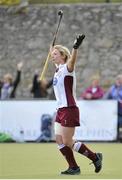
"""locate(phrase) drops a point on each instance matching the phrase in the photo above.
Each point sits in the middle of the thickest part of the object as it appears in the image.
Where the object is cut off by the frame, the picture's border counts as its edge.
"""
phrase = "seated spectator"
(94, 91)
(115, 92)
(39, 88)
(8, 86)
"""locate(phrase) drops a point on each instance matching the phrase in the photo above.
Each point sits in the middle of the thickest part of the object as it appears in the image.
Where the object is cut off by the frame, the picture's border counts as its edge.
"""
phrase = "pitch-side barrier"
(21, 119)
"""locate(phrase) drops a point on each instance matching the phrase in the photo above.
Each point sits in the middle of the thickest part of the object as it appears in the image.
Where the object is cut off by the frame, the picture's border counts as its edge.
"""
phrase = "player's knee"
(59, 139)
(66, 142)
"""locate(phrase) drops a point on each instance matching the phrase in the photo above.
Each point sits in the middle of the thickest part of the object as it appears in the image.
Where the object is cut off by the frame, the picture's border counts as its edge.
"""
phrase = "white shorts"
(57, 128)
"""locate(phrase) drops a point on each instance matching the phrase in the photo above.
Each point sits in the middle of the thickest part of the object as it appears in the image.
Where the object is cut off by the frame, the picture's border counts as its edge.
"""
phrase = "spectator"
(115, 92)
(94, 91)
(39, 88)
(8, 86)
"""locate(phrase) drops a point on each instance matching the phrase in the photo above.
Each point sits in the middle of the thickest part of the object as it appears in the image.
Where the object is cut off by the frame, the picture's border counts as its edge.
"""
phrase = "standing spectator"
(39, 88)
(95, 91)
(115, 92)
(8, 86)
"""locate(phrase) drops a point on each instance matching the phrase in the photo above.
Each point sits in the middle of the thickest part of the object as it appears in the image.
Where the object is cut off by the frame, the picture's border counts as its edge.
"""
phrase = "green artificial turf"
(44, 161)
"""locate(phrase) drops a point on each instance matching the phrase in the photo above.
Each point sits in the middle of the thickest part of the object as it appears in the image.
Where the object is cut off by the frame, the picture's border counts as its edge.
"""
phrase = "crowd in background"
(39, 89)
(44, 89)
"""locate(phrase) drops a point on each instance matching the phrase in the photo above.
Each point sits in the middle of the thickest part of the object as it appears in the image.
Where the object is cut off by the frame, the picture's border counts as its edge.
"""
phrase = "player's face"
(56, 56)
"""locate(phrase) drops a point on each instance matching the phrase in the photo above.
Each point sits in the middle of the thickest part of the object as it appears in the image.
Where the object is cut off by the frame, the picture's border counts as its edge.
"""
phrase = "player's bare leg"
(66, 150)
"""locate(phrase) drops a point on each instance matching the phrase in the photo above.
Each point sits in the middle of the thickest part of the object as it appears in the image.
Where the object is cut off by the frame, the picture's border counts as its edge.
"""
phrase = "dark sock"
(68, 154)
(83, 149)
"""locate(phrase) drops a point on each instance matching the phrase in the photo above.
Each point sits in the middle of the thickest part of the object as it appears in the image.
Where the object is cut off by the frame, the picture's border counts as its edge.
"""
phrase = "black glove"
(78, 41)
